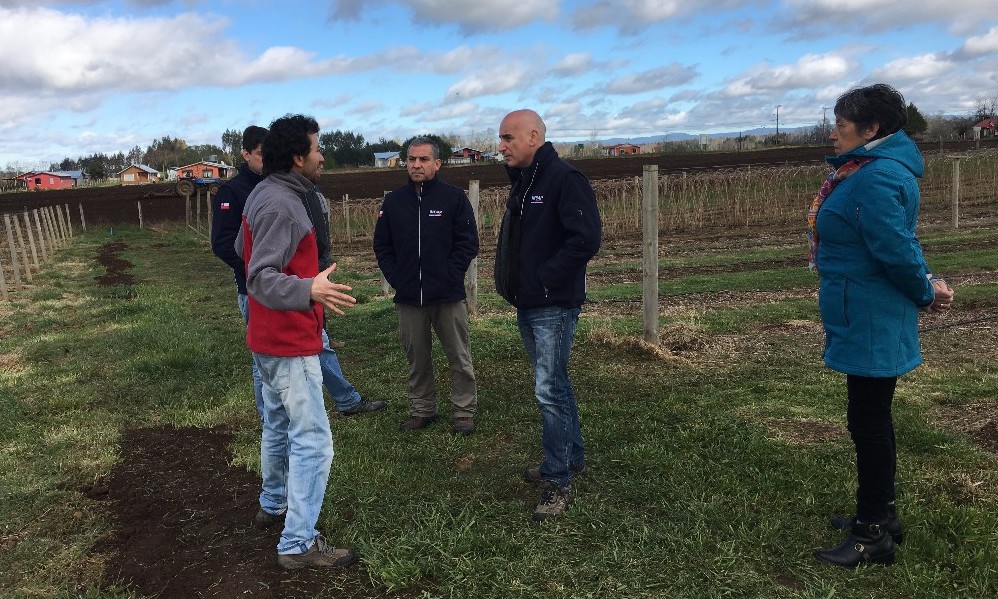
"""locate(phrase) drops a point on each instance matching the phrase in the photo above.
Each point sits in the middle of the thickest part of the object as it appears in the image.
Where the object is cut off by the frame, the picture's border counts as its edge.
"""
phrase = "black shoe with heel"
(892, 525)
(867, 544)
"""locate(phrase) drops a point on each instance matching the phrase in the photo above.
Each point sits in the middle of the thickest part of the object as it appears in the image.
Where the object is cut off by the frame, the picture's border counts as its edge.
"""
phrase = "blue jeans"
(243, 301)
(296, 448)
(547, 335)
(340, 389)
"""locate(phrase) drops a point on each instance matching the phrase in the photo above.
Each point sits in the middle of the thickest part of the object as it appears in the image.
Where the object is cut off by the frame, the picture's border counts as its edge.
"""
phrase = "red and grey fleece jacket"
(277, 243)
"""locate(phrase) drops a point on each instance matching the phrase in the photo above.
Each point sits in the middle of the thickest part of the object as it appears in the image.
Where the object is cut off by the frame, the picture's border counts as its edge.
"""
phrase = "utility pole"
(778, 123)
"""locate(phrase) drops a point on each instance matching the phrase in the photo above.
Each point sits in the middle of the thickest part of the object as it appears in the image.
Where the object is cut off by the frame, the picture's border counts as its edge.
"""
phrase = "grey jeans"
(450, 323)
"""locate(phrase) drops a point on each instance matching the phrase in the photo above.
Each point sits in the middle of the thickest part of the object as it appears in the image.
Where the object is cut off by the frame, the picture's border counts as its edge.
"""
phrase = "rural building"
(51, 179)
(386, 159)
(203, 170)
(138, 174)
(465, 156)
(985, 128)
(621, 150)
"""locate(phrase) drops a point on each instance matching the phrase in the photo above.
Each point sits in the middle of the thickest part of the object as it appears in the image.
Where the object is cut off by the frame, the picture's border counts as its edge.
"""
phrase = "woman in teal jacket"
(874, 281)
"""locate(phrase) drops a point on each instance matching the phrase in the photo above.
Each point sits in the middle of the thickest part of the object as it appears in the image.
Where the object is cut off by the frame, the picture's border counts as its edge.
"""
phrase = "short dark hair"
(423, 141)
(879, 103)
(252, 137)
(288, 137)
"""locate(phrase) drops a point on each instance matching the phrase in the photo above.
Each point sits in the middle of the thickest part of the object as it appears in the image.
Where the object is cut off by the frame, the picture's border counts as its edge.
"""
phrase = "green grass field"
(715, 458)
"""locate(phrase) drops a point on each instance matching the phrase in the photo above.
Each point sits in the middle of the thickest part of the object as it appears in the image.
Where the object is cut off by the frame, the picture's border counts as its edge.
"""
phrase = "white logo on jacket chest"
(536, 199)
(435, 213)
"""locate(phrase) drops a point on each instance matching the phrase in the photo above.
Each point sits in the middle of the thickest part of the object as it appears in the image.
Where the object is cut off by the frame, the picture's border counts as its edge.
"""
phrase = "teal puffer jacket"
(873, 272)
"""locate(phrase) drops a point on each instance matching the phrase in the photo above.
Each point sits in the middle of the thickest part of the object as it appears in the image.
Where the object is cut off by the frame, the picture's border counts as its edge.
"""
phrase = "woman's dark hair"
(252, 137)
(288, 138)
(879, 103)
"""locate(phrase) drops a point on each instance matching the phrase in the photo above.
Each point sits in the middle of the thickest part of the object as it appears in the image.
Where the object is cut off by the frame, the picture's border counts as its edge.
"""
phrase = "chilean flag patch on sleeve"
(225, 206)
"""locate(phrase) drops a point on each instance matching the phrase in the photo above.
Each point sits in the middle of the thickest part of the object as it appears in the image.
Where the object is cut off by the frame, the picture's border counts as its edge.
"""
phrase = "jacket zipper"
(419, 241)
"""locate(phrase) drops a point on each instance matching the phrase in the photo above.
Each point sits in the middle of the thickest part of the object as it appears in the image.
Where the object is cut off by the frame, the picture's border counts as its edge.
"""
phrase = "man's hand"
(331, 294)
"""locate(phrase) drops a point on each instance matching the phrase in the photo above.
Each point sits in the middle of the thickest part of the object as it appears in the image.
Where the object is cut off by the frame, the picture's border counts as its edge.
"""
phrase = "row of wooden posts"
(33, 238)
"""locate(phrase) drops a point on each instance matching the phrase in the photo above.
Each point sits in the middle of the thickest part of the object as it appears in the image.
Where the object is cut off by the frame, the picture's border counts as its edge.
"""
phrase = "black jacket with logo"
(425, 242)
(550, 230)
(227, 219)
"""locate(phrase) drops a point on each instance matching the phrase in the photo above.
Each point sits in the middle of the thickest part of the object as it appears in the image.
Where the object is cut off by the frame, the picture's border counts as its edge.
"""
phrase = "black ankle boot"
(868, 544)
(892, 525)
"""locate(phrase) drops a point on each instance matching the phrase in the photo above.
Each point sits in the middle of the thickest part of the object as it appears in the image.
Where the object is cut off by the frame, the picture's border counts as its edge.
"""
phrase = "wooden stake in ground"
(24, 249)
(41, 235)
(31, 241)
(474, 196)
(13, 252)
(649, 234)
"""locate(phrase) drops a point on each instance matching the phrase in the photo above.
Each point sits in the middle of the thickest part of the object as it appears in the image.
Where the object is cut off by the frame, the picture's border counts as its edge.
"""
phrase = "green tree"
(165, 152)
(916, 122)
(232, 144)
(342, 148)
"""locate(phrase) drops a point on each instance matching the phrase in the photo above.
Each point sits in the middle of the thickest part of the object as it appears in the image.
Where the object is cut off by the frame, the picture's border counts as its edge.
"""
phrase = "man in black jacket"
(425, 239)
(549, 232)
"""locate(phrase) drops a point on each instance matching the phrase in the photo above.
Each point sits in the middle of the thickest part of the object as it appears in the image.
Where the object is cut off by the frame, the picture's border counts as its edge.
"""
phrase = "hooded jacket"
(425, 241)
(549, 232)
(873, 272)
(277, 242)
(227, 217)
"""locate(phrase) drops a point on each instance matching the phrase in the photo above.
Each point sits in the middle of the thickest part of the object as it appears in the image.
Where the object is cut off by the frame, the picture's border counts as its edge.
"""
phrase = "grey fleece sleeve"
(275, 240)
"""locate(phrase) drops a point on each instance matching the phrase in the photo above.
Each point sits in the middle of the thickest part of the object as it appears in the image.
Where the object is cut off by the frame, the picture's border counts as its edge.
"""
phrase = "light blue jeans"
(296, 448)
(547, 335)
(343, 393)
(243, 301)
(340, 389)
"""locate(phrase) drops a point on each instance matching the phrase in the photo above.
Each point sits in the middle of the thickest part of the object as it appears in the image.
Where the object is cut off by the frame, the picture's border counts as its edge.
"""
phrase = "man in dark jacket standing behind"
(425, 239)
(549, 232)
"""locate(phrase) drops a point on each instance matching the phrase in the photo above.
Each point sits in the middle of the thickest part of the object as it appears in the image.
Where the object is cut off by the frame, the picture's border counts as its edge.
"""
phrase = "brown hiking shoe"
(417, 422)
(320, 555)
(554, 501)
(533, 475)
(464, 426)
(364, 406)
(266, 519)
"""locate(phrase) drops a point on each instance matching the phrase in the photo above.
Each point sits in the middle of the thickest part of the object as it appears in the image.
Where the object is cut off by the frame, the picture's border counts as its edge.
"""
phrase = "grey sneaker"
(266, 519)
(364, 406)
(533, 475)
(554, 501)
(320, 555)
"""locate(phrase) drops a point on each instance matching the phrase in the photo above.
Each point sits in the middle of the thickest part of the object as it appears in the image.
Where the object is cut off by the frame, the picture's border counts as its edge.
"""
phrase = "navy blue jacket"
(425, 242)
(227, 219)
(550, 230)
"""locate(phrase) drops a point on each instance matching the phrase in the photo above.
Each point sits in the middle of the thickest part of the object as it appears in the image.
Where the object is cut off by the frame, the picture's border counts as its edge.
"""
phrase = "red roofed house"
(985, 128)
(51, 179)
(204, 169)
(622, 150)
(465, 155)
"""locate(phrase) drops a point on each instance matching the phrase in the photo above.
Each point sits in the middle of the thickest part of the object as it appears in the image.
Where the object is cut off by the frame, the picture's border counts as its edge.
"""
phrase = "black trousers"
(871, 426)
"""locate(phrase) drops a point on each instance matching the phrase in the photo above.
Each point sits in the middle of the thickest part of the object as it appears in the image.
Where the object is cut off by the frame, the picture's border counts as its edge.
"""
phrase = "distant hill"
(650, 139)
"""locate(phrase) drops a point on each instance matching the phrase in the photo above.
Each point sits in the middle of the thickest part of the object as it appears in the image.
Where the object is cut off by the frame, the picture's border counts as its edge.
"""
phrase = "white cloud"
(630, 16)
(810, 70)
(912, 69)
(982, 45)
(469, 17)
(823, 17)
(488, 82)
(573, 65)
(668, 76)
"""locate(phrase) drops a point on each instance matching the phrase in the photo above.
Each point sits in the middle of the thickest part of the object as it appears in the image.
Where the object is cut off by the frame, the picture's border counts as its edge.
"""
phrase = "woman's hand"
(944, 295)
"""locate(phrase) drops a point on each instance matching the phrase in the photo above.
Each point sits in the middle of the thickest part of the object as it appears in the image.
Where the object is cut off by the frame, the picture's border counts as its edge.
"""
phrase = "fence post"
(139, 204)
(474, 196)
(346, 217)
(207, 206)
(24, 248)
(83, 221)
(41, 235)
(50, 229)
(63, 228)
(955, 197)
(69, 221)
(13, 252)
(197, 211)
(649, 234)
(3, 284)
(31, 241)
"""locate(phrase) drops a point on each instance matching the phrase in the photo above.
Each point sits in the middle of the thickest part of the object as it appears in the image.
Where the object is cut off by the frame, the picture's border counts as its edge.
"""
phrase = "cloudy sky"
(85, 76)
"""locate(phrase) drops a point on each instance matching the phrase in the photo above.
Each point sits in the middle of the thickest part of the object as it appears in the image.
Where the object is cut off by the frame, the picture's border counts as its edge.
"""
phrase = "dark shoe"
(867, 544)
(533, 475)
(464, 426)
(266, 520)
(320, 555)
(553, 502)
(892, 525)
(417, 422)
(364, 406)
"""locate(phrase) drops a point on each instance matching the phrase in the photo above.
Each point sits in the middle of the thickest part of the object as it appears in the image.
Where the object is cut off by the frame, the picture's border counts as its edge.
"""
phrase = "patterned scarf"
(831, 181)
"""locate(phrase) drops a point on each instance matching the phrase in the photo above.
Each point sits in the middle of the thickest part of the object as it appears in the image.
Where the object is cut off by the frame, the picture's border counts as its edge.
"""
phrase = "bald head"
(521, 134)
